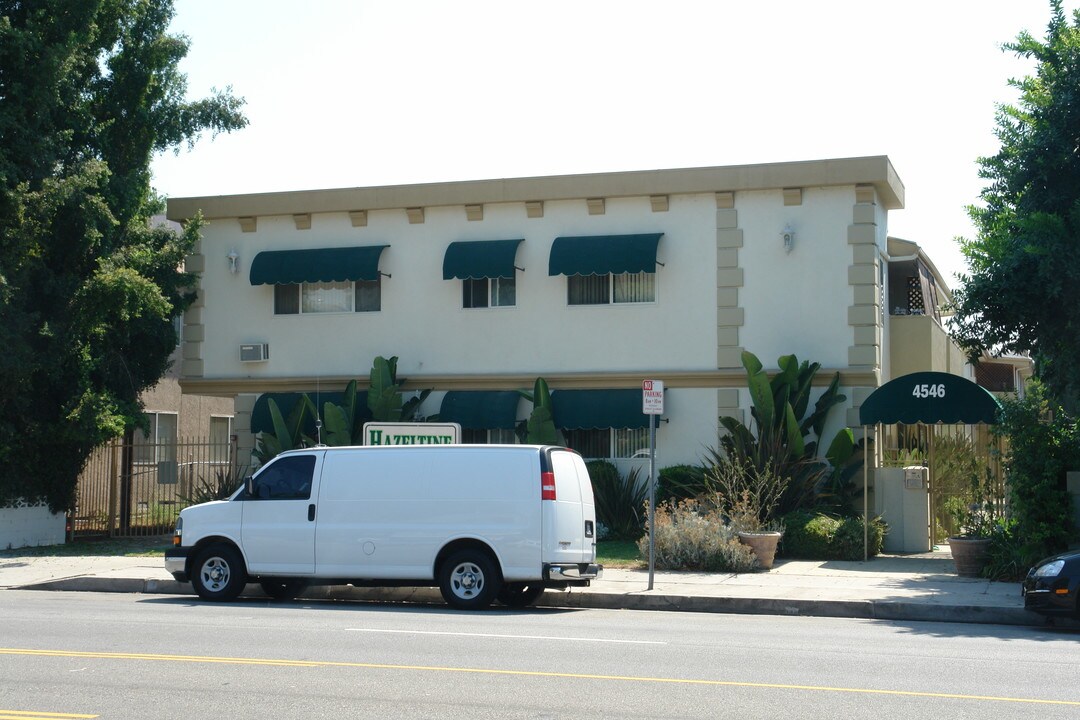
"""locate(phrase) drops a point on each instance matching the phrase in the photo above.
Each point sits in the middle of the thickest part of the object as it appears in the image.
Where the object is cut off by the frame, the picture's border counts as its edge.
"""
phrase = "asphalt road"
(146, 656)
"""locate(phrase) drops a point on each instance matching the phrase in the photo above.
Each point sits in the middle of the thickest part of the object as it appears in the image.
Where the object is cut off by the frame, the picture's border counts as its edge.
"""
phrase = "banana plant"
(341, 423)
(540, 428)
(784, 434)
(288, 432)
(384, 394)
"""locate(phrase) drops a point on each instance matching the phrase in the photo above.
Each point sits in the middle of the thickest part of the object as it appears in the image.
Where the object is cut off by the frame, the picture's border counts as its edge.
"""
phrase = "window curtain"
(635, 287)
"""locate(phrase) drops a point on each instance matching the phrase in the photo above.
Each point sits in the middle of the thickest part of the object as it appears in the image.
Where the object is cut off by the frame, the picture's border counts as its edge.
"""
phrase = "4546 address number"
(929, 391)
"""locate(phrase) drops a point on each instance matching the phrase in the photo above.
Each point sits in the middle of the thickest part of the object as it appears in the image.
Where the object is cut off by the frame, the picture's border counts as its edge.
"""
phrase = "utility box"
(902, 499)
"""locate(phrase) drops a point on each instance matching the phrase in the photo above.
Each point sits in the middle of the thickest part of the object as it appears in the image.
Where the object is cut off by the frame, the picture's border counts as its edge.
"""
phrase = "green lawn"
(618, 553)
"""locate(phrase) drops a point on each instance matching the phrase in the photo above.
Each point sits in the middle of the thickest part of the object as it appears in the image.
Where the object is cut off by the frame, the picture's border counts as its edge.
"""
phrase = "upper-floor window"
(486, 269)
(488, 292)
(328, 297)
(611, 288)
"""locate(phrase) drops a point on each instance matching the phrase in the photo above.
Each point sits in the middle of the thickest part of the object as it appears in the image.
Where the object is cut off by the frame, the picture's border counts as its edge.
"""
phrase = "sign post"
(652, 404)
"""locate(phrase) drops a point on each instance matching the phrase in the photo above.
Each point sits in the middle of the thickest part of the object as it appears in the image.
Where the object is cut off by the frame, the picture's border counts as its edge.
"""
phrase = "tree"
(89, 91)
(1022, 290)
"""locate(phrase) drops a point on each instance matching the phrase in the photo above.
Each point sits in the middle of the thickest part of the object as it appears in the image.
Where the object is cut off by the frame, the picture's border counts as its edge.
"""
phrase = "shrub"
(619, 501)
(691, 536)
(747, 494)
(817, 536)
(1044, 443)
(680, 482)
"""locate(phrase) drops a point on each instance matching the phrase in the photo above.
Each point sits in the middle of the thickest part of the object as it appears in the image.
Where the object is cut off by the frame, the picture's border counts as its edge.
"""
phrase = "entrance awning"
(602, 254)
(481, 410)
(929, 397)
(589, 409)
(289, 267)
(480, 259)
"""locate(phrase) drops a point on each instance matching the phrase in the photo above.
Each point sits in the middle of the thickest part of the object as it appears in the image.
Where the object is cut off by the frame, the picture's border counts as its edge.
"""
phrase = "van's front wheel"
(468, 580)
(219, 573)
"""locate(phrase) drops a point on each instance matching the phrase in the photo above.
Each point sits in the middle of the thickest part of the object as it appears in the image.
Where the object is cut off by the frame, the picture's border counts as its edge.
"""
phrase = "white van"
(480, 521)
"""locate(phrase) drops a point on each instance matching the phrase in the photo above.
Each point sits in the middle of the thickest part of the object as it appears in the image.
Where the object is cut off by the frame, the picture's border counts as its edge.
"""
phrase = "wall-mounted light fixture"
(789, 238)
(234, 261)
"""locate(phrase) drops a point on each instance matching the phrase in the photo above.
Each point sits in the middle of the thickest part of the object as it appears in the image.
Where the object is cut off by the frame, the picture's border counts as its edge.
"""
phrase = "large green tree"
(89, 91)
(1022, 290)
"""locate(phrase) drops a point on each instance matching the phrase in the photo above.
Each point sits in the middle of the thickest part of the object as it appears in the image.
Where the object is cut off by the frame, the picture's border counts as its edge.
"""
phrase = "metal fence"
(137, 488)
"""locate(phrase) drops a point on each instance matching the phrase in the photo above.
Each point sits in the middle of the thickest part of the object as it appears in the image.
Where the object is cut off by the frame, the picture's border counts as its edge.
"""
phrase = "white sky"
(356, 93)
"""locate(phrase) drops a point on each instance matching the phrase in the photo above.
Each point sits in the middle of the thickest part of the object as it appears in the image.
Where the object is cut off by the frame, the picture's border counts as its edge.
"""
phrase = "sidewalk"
(889, 587)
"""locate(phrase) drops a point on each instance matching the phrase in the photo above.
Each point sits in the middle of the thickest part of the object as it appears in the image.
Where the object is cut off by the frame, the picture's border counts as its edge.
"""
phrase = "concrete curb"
(860, 609)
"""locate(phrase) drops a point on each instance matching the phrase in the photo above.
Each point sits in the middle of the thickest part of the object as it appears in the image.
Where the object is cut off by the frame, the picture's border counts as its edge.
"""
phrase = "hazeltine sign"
(411, 433)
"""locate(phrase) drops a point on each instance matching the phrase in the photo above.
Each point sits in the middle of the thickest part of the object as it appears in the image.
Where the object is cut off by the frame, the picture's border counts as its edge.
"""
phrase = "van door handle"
(311, 512)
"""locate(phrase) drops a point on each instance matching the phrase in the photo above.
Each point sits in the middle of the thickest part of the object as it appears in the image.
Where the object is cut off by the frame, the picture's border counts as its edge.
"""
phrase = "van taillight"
(547, 486)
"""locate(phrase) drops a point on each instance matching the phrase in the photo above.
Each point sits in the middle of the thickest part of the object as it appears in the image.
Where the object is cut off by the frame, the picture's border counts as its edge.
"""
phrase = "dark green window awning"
(929, 397)
(481, 410)
(286, 401)
(289, 267)
(480, 259)
(588, 409)
(602, 254)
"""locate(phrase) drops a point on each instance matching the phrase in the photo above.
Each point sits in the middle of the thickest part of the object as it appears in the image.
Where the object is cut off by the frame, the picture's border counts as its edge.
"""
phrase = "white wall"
(422, 321)
(796, 302)
(30, 526)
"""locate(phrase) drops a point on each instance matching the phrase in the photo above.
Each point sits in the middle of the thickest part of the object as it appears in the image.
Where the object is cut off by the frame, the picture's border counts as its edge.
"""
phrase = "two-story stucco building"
(594, 282)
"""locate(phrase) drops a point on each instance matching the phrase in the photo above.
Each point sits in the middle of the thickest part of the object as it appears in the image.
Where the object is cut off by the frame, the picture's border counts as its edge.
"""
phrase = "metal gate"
(137, 488)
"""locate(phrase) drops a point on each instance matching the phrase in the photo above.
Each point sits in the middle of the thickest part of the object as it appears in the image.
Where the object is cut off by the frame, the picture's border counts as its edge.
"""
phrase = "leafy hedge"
(818, 536)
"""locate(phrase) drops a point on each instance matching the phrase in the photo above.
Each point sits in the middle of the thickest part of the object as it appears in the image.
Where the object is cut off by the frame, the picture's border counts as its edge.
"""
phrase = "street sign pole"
(652, 498)
(652, 404)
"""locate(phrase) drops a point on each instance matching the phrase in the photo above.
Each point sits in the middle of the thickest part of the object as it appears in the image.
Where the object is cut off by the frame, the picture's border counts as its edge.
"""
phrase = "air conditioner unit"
(254, 352)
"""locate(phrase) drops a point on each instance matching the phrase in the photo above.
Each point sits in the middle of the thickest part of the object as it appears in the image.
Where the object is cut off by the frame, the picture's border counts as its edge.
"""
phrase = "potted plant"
(747, 496)
(974, 516)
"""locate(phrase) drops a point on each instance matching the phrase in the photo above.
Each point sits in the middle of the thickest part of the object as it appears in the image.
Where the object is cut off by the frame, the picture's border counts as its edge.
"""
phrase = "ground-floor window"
(159, 444)
(607, 443)
(472, 436)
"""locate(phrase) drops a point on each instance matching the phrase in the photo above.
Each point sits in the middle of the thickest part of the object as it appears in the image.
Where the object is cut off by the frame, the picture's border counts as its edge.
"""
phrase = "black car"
(1051, 587)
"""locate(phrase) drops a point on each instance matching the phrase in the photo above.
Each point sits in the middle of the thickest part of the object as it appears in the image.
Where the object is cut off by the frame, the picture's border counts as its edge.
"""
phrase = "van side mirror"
(249, 486)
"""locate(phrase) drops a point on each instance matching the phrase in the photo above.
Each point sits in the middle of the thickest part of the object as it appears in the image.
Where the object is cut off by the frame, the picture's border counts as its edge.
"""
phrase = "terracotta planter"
(763, 544)
(969, 555)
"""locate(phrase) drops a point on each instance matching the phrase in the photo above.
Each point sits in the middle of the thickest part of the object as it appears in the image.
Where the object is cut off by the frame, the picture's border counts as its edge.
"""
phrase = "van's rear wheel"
(219, 573)
(469, 580)
(519, 595)
(284, 588)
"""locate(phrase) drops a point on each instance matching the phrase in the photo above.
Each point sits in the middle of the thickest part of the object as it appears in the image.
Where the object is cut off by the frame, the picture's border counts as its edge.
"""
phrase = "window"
(611, 288)
(619, 443)
(488, 292)
(471, 436)
(328, 297)
(220, 440)
(286, 479)
(160, 444)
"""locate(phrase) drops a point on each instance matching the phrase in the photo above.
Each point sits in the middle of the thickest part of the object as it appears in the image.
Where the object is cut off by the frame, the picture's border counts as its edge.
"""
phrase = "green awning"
(929, 397)
(288, 267)
(481, 410)
(602, 254)
(286, 401)
(587, 409)
(480, 259)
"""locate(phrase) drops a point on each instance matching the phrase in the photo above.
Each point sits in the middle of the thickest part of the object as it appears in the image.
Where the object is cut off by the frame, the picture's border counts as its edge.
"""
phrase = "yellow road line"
(30, 715)
(525, 673)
